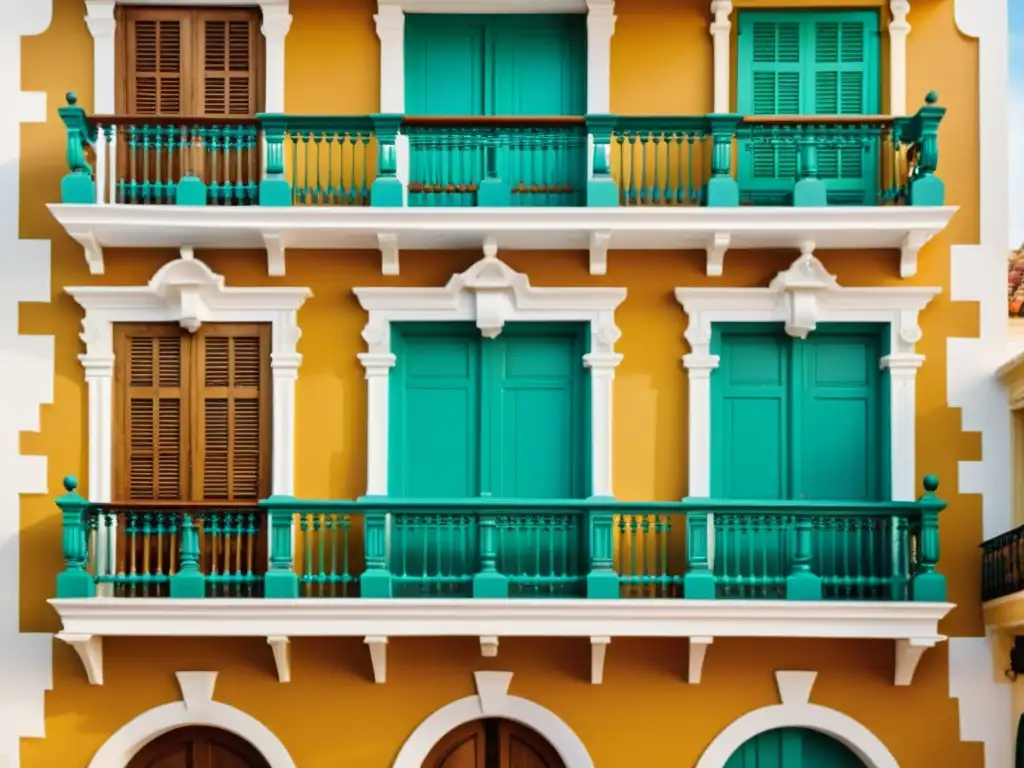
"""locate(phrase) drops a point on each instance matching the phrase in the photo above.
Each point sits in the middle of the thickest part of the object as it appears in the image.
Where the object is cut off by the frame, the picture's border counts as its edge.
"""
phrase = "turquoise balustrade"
(160, 550)
(496, 161)
(813, 550)
(521, 548)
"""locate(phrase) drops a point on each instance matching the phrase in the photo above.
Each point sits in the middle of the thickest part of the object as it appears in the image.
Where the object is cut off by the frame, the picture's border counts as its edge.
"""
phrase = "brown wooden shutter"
(232, 413)
(227, 80)
(159, 76)
(151, 383)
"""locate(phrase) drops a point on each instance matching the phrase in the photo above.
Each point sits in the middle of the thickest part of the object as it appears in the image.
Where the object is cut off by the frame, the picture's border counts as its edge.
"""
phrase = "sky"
(1016, 122)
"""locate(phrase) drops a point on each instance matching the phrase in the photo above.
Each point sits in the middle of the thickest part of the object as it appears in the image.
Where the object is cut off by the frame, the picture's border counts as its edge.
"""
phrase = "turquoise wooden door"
(797, 419)
(506, 417)
(809, 63)
(793, 748)
(496, 65)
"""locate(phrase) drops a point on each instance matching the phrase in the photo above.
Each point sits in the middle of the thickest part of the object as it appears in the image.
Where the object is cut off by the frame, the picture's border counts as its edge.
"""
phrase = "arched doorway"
(793, 748)
(198, 747)
(493, 743)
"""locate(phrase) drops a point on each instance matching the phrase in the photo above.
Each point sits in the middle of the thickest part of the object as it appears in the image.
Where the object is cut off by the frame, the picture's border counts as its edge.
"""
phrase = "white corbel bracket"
(387, 242)
(717, 245)
(90, 650)
(281, 646)
(912, 244)
(91, 249)
(488, 646)
(378, 657)
(598, 651)
(909, 651)
(274, 244)
(698, 650)
(599, 242)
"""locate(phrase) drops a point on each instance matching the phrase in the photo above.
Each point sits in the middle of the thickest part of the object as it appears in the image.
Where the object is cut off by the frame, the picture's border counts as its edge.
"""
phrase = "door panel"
(522, 747)
(493, 744)
(464, 747)
(445, 65)
(197, 747)
(793, 748)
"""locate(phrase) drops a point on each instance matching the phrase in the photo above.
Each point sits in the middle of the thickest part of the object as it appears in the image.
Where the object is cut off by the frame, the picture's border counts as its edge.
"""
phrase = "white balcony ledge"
(595, 230)
(912, 626)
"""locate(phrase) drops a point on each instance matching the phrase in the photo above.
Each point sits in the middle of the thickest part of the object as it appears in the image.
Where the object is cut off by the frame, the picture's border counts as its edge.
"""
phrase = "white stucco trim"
(196, 707)
(978, 274)
(721, 31)
(801, 297)
(188, 292)
(492, 700)
(99, 18)
(796, 711)
(490, 293)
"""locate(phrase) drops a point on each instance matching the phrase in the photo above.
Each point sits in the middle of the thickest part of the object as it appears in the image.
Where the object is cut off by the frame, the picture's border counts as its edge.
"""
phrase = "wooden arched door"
(493, 744)
(198, 747)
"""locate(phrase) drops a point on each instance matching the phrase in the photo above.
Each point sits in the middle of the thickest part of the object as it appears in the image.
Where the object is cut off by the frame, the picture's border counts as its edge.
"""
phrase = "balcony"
(490, 568)
(594, 182)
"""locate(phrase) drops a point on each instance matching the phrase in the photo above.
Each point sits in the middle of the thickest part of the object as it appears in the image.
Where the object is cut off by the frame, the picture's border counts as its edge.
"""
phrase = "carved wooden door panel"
(493, 744)
(198, 747)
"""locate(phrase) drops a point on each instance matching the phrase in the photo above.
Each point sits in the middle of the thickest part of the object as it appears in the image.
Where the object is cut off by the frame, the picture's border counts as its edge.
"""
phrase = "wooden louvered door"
(195, 78)
(192, 432)
(231, 416)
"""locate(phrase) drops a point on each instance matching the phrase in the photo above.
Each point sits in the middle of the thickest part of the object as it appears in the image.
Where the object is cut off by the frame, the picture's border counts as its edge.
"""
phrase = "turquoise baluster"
(927, 585)
(191, 190)
(280, 580)
(722, 190)
(78, 186)
(802, 583)
(274, 189)
(699, 581)
(602, 580)
(376, 578)
(74, 581)
(188, 582)
(809, 191)
(488, 582)
(925, 187)
(386, 190)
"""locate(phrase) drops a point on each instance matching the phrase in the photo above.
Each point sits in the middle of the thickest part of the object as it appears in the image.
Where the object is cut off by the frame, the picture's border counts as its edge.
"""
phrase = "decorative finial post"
(927, 585)
(75, 581)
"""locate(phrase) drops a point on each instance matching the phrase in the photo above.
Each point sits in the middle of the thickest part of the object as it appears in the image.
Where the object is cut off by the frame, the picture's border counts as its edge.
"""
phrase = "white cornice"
(493, 6)
(597, 230)
(913, 626)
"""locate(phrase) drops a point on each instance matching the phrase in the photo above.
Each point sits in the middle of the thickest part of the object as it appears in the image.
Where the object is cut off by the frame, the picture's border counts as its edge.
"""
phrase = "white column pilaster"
(284, 374)
(699, 366)
(277, 21)
(378, 367)
(99, 18)
(899, 28)
(390, 21)
(600, 28)
(721, 29)
(903, 367)
(602, 378)
(99, 378)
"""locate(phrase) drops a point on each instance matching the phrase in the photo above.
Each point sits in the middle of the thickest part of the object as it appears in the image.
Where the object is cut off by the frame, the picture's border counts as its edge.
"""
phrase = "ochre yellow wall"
(331, 715)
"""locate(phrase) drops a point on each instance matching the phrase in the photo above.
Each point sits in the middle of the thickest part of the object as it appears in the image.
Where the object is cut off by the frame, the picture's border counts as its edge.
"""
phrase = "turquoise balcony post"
(928, 585)
(376, 578)
(387, 189)
(275, 191)
(722, 191)
(191, 190)
(280, 580)
(488, 582)
(493, 192)
(809, 191)
(77, 187)
(802, 583)
(925, 187)
(74, 581)
(189, 581)
(602, 580)
(699, 581)
(602, 191)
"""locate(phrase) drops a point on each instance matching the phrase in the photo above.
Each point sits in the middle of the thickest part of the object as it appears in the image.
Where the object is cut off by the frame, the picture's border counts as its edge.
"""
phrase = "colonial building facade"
(525, 383)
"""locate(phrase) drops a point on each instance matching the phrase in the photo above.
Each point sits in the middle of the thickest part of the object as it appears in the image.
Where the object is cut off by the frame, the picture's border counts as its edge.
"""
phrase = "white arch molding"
(491, 700)
(196, 707)
(796, 711)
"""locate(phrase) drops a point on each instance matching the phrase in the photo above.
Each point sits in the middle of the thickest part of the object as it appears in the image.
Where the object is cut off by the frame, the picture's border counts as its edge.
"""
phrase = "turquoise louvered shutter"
(808, 63)
(844, 81)
(771, 75)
